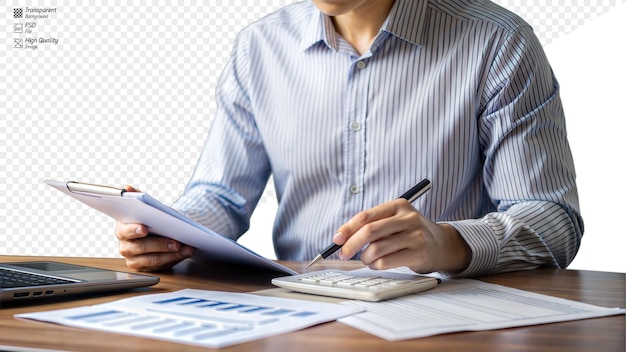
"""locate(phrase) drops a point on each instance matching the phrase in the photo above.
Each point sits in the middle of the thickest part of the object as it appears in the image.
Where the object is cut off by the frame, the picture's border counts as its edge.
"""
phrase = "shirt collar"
(406, 20)
(319, 29)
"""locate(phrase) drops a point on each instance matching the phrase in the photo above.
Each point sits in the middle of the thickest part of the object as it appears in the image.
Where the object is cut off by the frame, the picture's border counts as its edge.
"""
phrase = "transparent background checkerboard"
(126, 96)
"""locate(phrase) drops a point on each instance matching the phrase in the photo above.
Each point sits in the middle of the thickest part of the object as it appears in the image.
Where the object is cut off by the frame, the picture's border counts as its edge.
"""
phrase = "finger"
(365, 217)
(383, 247)
(416, 261)
(392, 250)
(152, 244)
(370, 233)
(367, 226)
(129, 188)
(153, 253)
(154, 261)
(125, 231)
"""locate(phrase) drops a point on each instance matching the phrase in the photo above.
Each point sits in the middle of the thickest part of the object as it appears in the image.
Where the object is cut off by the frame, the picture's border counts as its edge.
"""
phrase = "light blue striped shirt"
(459, 92)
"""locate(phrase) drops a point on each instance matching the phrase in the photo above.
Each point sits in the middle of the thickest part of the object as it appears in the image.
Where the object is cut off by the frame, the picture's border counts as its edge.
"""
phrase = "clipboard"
(141, 208)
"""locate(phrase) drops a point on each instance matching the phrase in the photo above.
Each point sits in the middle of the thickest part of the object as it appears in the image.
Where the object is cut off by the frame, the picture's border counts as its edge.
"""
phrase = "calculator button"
(347, 283)
(309, 279)
(326, 282)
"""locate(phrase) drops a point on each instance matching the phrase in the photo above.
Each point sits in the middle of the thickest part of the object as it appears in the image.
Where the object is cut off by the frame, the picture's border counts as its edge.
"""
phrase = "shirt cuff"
(483, 244)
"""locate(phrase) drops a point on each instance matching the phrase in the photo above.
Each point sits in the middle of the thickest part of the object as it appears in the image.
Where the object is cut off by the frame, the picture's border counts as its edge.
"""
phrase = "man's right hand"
(149, 253)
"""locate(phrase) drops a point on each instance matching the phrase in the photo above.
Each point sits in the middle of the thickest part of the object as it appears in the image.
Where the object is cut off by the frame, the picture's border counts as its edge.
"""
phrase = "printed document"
(466, 305)
(197, 317)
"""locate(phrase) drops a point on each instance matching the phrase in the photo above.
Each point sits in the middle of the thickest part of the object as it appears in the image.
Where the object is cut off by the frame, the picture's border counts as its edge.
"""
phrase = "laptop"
(40, 280)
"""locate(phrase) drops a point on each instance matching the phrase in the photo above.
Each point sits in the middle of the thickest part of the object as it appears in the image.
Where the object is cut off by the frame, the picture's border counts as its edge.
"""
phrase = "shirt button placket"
(356, 126)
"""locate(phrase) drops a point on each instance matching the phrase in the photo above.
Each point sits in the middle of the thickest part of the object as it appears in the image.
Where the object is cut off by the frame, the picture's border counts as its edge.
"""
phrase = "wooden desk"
(600, 288)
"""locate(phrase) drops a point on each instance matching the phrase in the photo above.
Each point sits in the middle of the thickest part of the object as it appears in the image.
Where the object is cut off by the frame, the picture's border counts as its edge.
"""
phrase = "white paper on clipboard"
(141, 208)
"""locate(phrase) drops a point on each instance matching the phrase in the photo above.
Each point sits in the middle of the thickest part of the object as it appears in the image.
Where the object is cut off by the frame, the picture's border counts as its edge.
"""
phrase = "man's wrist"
(455, 254)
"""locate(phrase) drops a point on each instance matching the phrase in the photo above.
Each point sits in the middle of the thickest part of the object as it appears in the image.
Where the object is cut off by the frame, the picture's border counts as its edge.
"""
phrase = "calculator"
(355, 285)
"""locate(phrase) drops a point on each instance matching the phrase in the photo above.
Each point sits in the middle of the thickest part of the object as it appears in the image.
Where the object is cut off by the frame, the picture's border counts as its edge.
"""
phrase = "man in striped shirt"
(346, 104)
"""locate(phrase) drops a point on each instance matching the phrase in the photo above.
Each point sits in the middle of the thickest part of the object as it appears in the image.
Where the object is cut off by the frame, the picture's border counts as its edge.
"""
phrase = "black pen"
(409, 195)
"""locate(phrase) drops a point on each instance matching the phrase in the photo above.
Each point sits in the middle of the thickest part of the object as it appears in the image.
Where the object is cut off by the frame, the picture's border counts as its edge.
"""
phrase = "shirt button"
(361, 64)
(354, 189)
(355, 126)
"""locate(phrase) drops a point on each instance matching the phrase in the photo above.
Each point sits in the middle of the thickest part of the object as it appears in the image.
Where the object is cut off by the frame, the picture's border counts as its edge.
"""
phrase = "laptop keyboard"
(11, 279)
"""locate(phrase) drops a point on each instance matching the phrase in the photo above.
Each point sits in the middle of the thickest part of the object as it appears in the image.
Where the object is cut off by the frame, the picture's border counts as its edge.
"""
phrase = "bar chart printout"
(205, 318)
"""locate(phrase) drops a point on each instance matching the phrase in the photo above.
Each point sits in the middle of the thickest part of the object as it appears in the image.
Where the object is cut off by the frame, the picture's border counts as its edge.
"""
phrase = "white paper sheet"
(205, 318)
(141, 208)
(466, 305)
